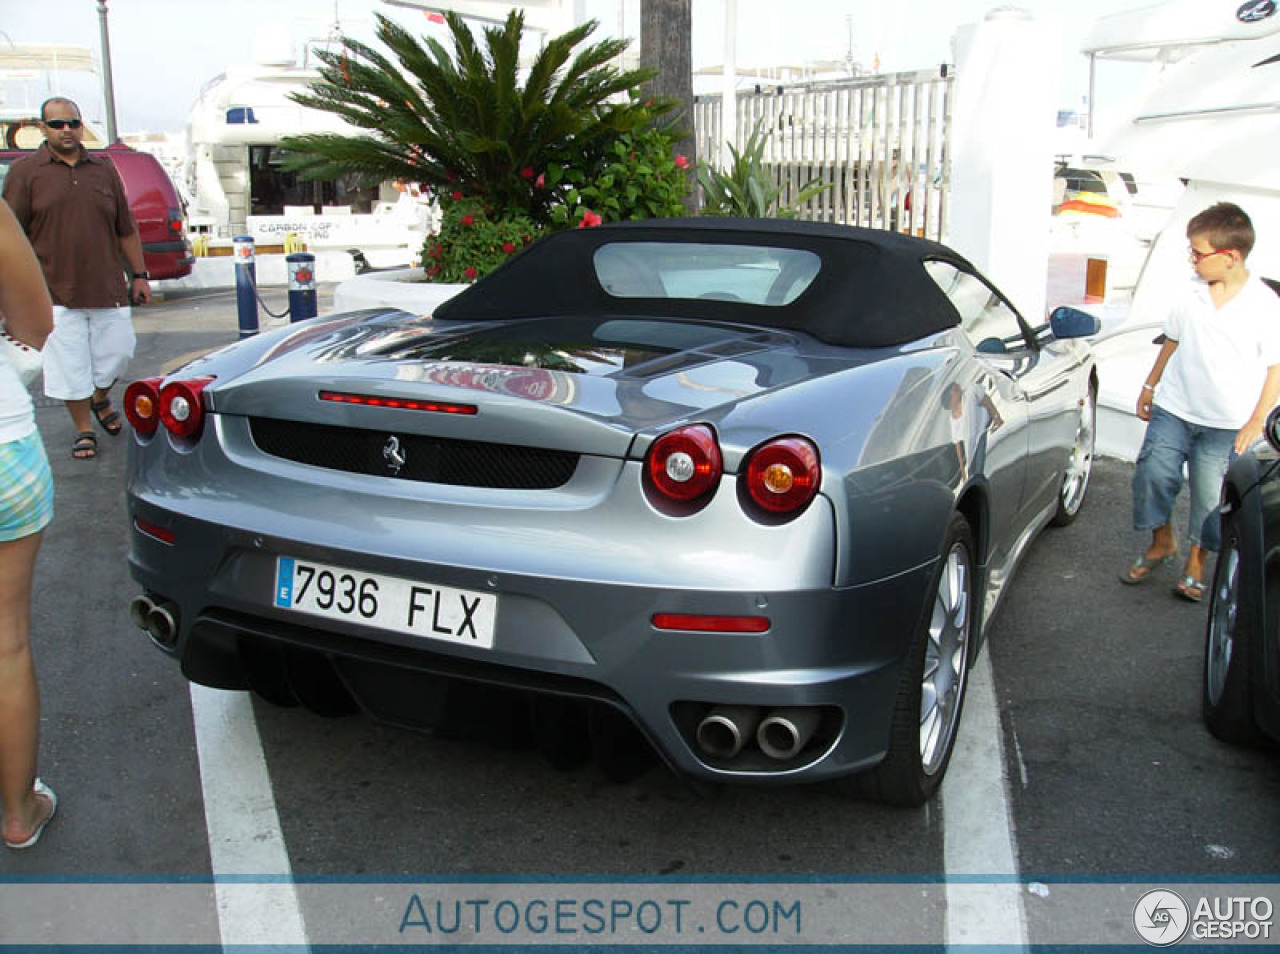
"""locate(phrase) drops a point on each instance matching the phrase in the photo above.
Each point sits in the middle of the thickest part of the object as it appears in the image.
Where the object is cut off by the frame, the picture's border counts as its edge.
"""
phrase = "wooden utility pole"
(666, 30)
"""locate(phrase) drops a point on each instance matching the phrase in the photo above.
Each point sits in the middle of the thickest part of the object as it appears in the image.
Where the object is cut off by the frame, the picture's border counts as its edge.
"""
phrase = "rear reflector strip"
(694, 623)
(404, 404)
(154, 531)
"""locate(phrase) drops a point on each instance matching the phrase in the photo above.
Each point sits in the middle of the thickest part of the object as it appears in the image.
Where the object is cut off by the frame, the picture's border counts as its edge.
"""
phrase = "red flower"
(436, 250)
(468, 220)
(528, 239)
(470, 272)
(451, 177)
(541, 181)
(589, 220)
(526, 173)
(508, 247)
(682, 162)
(433, 270)
(456, 196)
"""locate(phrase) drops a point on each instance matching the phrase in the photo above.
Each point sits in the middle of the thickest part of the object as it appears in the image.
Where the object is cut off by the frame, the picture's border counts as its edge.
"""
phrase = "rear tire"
(935, 675)
(1226, 692)
(1075, 481)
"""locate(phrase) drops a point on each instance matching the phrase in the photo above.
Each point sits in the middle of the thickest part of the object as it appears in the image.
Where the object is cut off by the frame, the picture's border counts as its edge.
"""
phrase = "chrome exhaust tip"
(140, 608)
(162, 623)
(725, 730)
(783, 733)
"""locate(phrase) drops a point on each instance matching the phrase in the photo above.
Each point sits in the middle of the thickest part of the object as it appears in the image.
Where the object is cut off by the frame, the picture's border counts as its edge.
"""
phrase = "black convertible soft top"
(871, 290)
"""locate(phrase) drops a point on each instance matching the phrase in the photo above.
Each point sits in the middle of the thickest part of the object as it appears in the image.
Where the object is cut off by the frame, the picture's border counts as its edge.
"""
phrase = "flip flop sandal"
(1143, 567)
(109, 422)
(1189, 588)
(85, 446)
(42, 791)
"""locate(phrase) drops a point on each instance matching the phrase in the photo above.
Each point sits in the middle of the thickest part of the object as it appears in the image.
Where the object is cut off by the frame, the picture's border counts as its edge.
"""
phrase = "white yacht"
(236, 184)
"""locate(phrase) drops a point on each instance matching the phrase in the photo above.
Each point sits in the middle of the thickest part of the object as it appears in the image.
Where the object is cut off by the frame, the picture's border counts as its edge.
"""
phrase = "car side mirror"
(1272, 428)
(1068, 322)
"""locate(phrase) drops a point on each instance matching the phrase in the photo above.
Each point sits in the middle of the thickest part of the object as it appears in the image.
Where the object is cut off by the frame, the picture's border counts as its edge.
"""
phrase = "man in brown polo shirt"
(73, 207)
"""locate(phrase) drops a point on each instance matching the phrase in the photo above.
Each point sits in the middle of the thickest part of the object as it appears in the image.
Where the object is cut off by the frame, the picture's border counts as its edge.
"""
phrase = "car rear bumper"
(168, 259)
(834, 652)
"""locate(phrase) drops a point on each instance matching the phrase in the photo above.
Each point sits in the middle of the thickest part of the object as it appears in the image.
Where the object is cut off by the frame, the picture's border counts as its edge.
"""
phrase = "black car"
(1241, 685)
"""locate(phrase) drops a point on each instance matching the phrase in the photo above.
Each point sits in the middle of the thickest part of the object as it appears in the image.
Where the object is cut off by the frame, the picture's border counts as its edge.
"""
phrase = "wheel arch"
(973, 506)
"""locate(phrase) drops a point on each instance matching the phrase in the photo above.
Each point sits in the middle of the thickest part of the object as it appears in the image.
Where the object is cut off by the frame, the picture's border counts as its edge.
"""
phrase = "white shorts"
(89, 348)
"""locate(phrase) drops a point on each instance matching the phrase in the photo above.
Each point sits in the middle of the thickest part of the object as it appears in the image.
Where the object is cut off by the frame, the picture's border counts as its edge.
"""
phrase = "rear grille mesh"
(429, 459)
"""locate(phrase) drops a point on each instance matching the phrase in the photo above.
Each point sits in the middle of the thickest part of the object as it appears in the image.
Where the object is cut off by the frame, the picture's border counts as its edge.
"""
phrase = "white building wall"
(1004, 115)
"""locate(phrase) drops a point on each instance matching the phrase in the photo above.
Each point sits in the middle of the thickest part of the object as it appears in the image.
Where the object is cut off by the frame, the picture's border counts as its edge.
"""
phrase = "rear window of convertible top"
(754, 274)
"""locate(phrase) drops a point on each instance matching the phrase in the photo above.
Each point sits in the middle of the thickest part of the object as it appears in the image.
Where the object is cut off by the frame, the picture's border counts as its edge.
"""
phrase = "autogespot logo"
(1161, 917)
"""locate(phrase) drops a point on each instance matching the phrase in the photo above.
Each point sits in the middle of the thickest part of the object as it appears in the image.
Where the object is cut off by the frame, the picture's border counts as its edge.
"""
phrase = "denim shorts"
(1170, 443)
(26, 488)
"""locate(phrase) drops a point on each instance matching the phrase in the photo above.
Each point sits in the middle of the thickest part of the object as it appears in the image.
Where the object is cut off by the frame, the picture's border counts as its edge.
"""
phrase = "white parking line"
(244, 830)
(977, 826)
(245, 837)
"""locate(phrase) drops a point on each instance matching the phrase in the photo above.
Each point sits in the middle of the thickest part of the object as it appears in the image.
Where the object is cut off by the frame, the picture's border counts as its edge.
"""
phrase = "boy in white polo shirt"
(1216, 378)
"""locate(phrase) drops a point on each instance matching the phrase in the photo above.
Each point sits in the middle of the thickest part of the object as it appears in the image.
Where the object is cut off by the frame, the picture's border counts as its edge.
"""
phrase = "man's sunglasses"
(62, 123)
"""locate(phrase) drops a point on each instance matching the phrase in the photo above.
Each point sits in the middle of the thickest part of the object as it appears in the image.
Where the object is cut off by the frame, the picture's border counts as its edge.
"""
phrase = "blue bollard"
(246, 283)
(302, 285)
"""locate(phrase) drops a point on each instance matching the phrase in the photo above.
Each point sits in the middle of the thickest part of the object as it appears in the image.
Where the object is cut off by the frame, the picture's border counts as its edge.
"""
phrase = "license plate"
(387, 602)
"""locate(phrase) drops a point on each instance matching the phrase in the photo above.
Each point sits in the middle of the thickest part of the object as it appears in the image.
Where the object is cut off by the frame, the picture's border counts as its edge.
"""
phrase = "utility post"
(666, 30)
(108, 87)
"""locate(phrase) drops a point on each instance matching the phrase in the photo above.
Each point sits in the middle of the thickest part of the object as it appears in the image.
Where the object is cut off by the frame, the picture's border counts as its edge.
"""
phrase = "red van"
(155, 204)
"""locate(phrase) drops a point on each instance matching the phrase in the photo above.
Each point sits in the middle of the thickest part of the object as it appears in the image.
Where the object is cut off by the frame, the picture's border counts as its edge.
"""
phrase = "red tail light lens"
(175, 221)
(694, 623)
(686, 463)
(783, 475)
(142, 405)
(181, 409)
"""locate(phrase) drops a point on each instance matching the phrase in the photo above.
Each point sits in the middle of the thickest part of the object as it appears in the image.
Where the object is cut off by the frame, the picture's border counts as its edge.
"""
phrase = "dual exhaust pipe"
(155, 616)
(780, 733)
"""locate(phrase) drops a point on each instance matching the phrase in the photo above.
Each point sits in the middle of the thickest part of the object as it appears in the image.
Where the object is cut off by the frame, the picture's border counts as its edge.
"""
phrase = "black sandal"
(109, 422)
(85, 446)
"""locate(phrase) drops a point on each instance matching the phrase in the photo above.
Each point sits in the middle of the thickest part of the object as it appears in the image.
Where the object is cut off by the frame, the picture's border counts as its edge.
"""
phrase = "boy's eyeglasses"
(62, 123)
(1198, 257)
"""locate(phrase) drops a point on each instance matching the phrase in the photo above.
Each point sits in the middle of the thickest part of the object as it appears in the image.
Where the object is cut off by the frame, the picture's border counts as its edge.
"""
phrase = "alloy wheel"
(1222, 623)
(1080, 467)
(946, 660)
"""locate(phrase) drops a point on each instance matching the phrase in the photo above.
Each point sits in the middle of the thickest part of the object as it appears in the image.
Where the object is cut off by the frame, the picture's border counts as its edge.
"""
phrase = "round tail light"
(685, 464)
(181, 409)
(142, 405)
(783, 475)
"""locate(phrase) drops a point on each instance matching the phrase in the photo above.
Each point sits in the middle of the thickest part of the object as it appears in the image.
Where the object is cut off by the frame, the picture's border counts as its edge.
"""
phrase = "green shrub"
(640, 176)
(473, 241)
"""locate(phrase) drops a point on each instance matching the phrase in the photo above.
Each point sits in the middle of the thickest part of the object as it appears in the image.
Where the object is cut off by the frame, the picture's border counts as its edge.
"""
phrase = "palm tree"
(465, 120)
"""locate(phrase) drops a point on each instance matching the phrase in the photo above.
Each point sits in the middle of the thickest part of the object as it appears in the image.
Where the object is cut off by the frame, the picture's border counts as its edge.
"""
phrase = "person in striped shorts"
(26, 507)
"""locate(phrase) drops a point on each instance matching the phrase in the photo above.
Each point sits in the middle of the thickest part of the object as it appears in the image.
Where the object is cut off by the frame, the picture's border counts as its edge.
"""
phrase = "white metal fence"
(882, 144)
